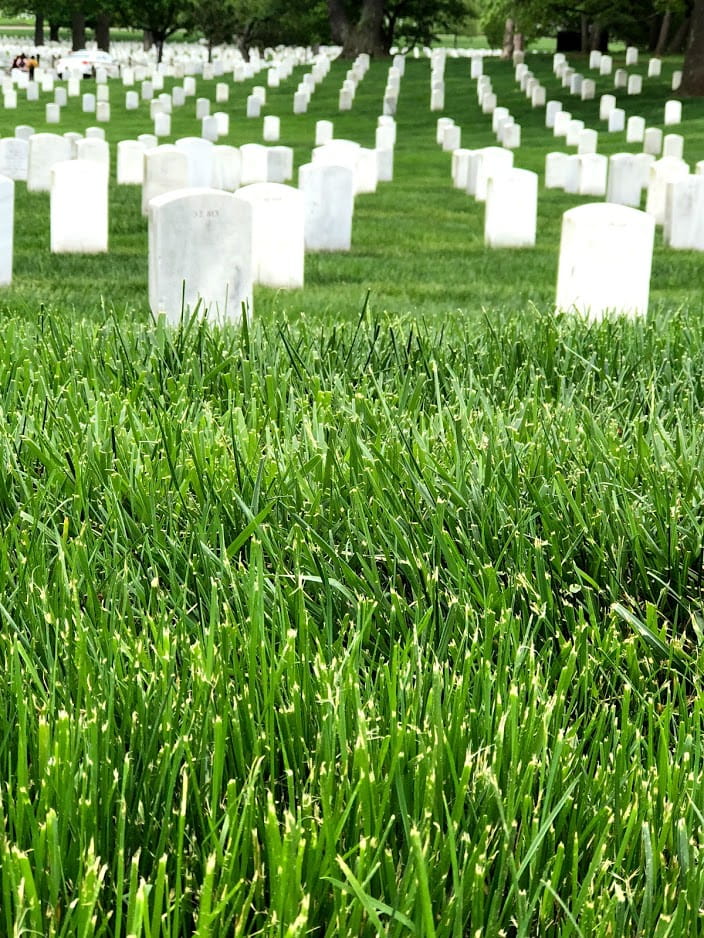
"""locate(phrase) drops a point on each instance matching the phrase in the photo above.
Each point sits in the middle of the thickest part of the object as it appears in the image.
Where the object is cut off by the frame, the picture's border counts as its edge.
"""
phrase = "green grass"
(368, 618)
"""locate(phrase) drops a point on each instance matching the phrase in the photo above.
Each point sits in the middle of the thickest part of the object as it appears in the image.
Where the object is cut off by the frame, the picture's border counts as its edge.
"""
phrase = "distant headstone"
(323, 132)
(200, 255)
(88, 104)
(79, 207)
(684, 214)
(631, 56)
(593, 169)
(130, 163)
(227, 168)
(555, 170)
(162, 125)
(552, 108)
(654, 68)
(53, 113)
(492, 161)
(14, 156)
(272, 128)
(607, 102)
(624, 186)
(662, 173)
(254, 163)
(7, 226)
(328, 199)
(45, 150)
(93, 149)
(131, 101)
(277, 233)
(165, 170)
(673, 112)
(635, 84)
(605, 260)
(673, 145)
(617, 120)
(23, 132)
(279, 164)
(511, 209)
(635, 129)
(652, 141)
(200, 156)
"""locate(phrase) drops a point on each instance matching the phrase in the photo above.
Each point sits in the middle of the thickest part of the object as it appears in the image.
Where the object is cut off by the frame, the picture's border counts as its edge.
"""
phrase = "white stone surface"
(254, 163)
(652, 141)
(492, 160)
(227, 168)
(14, 156)
(130, 163)
(324, 131)
(663, 172)
(624, 182)
(635, 129)
(617, 120)
(673, 112)
(593, 170)
(511, 209)
(79, 207)
(328, 196)
(200, 156)
(607, 102)
(279, 164)
(165, 170)
(7, 226)
(555, 170)
(673, 145)
(200, 255)
(552, 108)
(45, 150)
(272, 128)
(93, 149)
(605, 260)
(277, 233)
(684, 214)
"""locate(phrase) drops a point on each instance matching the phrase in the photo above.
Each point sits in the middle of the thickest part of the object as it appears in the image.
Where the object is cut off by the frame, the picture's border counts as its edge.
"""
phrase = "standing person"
(32, 63)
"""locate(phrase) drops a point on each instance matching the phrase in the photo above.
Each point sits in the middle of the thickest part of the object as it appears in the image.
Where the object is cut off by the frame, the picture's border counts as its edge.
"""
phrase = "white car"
(85, 62)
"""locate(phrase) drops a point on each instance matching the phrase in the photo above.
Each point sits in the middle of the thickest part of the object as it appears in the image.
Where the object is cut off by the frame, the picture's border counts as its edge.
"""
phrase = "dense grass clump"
(345, 624)
(377, 628)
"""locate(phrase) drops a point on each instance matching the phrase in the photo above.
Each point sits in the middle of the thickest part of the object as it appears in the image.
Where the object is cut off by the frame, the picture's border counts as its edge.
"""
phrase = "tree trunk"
(78, 30)
(53, 32)
(661, 44)
(102, 31)
(366, 35)
(680, 38)
(339, 23)
(147, 40)
(693, 68)
(39, 30)
(584, 29)
(507, 45)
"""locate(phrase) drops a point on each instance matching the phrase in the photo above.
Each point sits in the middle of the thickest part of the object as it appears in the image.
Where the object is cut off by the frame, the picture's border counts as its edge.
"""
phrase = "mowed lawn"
(381, 615)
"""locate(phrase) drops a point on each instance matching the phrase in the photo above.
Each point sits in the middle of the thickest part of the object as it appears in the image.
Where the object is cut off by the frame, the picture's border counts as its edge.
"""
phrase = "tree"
(159, 18)
(693, 68)
(374, 26)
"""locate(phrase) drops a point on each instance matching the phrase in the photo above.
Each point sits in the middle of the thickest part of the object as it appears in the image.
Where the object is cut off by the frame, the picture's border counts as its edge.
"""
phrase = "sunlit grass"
(371, 618)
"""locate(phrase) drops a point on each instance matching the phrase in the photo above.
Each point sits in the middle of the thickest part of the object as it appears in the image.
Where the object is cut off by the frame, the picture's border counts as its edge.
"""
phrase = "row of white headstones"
(173, 171)
(202, 233)
(606, 249)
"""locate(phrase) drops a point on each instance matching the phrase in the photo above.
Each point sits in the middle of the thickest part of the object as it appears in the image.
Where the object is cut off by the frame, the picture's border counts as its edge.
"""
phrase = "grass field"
(374, 617)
